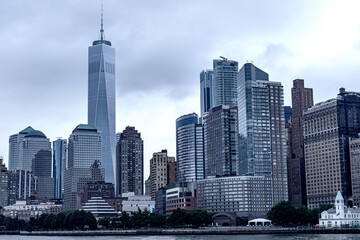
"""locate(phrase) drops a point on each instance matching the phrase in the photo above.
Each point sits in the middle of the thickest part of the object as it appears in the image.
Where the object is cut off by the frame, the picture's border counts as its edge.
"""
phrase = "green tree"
(48, 222)
(125, 219)
(59, 221)
(177, 218)
(90, 220)
(105, 222)
(303, 215)
(283, 214)
(67, 222)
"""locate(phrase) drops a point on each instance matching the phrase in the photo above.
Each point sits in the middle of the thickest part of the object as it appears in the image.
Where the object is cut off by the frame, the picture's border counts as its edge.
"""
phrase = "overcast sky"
(161, 47)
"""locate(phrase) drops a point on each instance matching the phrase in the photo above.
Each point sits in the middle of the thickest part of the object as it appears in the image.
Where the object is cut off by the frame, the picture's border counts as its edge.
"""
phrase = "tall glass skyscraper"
(224, 82)
(189, 148)
(206, 99)
(59, 165)
(262, 143)
(101, 100)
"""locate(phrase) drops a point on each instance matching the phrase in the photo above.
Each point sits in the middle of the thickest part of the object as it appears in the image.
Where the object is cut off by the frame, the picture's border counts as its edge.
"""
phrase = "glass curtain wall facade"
(84, 159)
(262, 139)
(189, 148)
(14, 146)
(224, 82)
(101, 101)
(59, 166)
(206, 98)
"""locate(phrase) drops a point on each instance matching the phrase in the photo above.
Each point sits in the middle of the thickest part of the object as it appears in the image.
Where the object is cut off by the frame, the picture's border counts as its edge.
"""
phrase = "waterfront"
(193, 237)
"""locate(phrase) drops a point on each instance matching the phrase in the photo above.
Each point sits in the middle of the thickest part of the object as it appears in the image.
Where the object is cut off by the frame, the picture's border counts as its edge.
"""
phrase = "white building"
(340, 215)
(136, 202)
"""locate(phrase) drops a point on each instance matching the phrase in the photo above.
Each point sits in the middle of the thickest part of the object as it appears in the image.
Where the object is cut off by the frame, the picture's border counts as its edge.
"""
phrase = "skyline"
(161, 51)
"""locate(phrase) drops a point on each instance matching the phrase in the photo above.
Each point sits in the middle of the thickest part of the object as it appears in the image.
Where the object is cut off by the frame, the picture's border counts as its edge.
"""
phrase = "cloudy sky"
(161, 47)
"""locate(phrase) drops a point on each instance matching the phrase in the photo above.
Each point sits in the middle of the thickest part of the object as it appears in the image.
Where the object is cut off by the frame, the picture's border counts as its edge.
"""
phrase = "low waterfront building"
(99, 208)
(249, 196)
(340, 215)
(180, 195)
(136, 202)
(22, 211)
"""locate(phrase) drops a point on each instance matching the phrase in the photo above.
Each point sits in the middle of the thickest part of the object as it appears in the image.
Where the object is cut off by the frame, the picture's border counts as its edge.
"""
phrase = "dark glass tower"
(101, 100)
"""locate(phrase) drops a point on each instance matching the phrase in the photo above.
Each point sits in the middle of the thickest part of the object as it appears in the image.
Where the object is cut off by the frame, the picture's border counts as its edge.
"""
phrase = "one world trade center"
(101, 99)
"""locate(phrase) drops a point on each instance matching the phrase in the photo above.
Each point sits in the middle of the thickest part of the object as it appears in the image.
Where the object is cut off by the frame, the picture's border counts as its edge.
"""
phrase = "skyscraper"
(262, 128)
(15, 141)
(101, 100)
(189, 148)
(41, 168)
(302, 99)
(221, 141)
(59, 166)
(206, 98)
(159, 171)
(130, 162)
(84, 156)
(224, 82)
(328, 127)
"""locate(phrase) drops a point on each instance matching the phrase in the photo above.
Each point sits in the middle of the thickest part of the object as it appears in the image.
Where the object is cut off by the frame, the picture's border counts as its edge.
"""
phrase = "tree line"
(285, 214)
(80, 220)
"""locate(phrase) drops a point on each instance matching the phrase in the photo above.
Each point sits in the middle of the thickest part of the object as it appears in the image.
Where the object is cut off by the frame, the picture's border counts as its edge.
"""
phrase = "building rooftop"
(26, 130)
(85, 127)
(35, 133)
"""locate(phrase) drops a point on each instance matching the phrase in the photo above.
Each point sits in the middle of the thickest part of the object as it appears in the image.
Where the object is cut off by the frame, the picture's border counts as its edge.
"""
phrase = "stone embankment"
(200, 231)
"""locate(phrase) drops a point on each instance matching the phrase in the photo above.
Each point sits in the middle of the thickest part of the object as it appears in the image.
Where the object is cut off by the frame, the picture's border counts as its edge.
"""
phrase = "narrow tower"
(101, 99)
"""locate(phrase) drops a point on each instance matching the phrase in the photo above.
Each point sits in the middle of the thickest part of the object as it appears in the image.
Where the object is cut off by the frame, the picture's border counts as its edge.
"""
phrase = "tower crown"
(102, 34)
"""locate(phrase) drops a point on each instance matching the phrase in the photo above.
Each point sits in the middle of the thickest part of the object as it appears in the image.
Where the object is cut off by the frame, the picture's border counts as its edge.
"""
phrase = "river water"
(205, 237)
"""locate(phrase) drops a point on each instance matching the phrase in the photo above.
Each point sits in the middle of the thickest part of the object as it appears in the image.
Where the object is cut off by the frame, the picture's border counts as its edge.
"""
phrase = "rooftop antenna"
(223, 58)
(102, 22)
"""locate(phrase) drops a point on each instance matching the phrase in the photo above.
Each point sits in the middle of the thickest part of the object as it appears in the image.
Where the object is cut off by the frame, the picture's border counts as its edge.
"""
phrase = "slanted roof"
(26, 130)
(339, 196)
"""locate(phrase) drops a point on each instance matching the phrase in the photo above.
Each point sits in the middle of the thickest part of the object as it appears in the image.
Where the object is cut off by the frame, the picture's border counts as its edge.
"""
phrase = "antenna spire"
(102, 22)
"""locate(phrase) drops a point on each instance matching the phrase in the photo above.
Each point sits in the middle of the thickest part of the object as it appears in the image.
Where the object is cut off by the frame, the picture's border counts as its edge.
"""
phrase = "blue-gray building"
(59, 165)
(189, 148)
(84, 159)
(224, 82)
(262, 139)
(206, 99)
(101, 100)
(288, 113)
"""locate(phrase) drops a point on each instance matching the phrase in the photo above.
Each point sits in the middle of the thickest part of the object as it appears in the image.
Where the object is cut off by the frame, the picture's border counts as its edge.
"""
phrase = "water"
(206, 237)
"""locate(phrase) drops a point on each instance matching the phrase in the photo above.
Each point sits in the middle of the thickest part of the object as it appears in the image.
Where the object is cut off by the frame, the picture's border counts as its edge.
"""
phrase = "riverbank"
(202, 231)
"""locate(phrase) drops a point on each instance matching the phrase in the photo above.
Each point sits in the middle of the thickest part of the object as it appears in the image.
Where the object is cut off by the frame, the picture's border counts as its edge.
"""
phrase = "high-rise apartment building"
(101, 100)
(25, 183)
(59, 166)
(262, 139)
(84, 159)
(189, 148)
(224, 82)
(4, 181)
(327, 128)
(160, 175)
(206, 98)
(302, 99)
(287, 113)
(130, 162)
(221, 141)
(355, 169)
